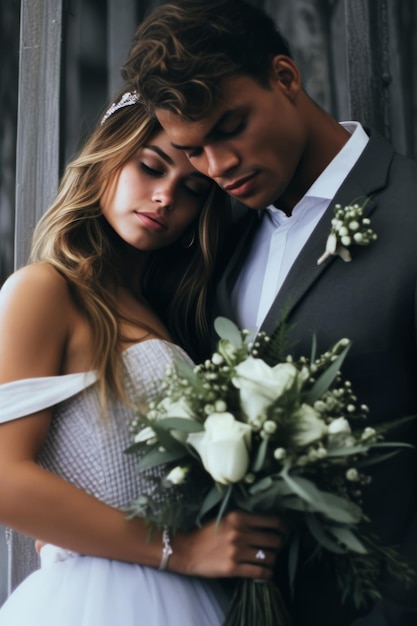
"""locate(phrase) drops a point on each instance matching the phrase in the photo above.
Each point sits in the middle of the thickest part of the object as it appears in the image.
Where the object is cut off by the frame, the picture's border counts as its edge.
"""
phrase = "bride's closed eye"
(151, 171)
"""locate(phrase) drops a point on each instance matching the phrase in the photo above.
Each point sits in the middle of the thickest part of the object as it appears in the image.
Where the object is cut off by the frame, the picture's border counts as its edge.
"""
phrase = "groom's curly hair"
(182, 51)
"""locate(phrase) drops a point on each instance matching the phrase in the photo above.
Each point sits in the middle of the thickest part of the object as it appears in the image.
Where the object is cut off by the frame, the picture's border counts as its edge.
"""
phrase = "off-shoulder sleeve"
(29, 395)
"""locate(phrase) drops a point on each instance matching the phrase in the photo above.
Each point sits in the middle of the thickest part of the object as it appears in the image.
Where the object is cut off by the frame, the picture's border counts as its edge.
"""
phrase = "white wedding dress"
(74, 590)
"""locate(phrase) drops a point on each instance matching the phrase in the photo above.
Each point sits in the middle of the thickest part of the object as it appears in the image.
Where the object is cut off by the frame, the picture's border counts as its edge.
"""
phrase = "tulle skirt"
(89, 591)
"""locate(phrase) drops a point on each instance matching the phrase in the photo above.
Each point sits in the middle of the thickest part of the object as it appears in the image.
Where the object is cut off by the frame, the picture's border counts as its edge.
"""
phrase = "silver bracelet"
(166, 548)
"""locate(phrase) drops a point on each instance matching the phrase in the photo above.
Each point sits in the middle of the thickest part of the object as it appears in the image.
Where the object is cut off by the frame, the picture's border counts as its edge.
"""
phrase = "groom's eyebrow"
(210, 134)
(161, 153)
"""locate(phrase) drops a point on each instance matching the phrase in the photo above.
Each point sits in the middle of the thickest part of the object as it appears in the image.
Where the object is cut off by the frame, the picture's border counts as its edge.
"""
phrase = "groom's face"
(250, 145)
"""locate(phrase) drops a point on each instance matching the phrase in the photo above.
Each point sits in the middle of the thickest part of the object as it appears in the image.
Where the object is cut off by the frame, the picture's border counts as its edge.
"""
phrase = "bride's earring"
(188, 242)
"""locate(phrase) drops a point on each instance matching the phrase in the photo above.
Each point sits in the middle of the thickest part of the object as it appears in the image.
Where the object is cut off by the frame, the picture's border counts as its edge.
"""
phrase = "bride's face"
(155, 196)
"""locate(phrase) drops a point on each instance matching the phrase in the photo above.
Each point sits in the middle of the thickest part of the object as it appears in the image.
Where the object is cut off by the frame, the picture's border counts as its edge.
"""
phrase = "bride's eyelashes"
(151, 171)
(193, 186)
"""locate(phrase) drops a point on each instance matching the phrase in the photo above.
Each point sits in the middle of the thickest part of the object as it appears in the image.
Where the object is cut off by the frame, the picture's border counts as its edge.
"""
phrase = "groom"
(223, 84)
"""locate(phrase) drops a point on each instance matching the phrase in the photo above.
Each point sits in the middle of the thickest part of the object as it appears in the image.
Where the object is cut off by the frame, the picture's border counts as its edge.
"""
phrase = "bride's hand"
(39, 545)
(242, 545)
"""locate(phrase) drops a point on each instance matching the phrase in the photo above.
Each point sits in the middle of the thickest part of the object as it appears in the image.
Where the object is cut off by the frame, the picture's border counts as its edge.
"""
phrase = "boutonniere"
(349, 227)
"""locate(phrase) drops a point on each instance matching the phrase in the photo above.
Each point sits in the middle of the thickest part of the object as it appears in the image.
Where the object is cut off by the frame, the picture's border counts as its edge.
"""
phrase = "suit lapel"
(369, 174)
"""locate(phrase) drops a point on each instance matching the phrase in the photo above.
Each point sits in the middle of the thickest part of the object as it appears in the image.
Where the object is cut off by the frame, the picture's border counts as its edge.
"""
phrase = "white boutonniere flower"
(349, 227)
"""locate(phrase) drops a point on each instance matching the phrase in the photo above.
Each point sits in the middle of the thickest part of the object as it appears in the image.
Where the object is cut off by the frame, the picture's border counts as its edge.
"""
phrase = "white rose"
(261, 384)
(177, 408)
(223, 447)
(312, 428)
(177, 475)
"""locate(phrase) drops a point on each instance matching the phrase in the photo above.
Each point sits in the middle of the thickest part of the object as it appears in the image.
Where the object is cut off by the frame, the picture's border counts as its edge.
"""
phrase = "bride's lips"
(152, 221)
(242, 186)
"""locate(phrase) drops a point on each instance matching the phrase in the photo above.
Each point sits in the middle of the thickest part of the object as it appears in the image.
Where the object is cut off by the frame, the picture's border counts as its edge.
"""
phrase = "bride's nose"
(164, 193)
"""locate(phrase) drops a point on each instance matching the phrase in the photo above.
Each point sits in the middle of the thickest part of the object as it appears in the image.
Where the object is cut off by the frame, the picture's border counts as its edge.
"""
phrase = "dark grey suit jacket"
(372, 300)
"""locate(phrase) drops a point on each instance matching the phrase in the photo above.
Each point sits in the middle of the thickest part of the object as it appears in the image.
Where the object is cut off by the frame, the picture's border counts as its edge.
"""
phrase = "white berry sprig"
(349, 227)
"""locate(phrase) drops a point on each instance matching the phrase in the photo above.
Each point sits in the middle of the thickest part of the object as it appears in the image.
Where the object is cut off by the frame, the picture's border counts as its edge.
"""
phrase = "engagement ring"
(260, 555)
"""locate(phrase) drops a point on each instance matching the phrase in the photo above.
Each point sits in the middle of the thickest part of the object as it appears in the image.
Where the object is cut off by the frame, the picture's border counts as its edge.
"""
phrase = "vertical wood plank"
(402, 22)
(84, 72)
(37, 165)
(9, 44)
(368, 63)
(122, 23)
(37, 160)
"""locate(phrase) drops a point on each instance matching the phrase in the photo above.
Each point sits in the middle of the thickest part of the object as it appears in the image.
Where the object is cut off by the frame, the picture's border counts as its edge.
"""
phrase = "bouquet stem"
(257, 602)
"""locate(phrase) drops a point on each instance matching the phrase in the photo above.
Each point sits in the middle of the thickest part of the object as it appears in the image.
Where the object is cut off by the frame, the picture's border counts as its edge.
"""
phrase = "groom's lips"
(241, 187)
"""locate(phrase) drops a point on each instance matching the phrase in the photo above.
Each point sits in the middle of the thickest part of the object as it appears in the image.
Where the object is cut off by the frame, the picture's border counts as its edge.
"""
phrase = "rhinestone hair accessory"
(128, 98)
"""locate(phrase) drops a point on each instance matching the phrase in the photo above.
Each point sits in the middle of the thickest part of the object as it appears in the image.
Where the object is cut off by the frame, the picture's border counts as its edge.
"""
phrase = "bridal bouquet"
(256, 430)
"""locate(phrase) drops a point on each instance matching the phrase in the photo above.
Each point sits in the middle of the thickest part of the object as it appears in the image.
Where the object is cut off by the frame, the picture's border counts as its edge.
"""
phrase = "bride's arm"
(36, 331)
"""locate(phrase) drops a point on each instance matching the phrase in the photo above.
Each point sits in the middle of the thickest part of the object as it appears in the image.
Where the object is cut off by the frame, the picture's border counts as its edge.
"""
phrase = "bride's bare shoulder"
(36, 290)
(36, 322)
(40, 277)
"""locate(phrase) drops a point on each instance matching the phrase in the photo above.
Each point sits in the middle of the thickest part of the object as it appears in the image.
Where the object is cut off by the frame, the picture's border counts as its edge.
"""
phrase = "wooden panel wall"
(38, 116)
(37, 163)
(9, 54)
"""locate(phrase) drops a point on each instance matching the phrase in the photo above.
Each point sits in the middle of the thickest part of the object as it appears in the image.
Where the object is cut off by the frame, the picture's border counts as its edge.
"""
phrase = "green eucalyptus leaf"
(185, 370)
(271, 498)
(165, 438)
(347, 538)
(261, 502)
(293, 555)
(326, 379)
(182, 424)
(340, 509)
(211, 500)
(226, 329)
(157, 457)
(136, 447)
(226, 493)
(250, 504)
(334, 507)
(296, 503)
(261, 485)
(373, 460)
(392, 444)
(348, 451)
(321, 536)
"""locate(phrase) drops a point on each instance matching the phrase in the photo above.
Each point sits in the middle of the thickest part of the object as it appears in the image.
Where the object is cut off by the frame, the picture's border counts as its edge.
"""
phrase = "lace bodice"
(87, 448)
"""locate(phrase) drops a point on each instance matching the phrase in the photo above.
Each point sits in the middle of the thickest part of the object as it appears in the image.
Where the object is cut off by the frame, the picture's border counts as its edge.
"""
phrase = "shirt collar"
(331, 178)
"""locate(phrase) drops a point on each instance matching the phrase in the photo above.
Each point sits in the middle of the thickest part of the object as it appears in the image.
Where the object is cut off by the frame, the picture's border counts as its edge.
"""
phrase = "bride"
(120, 273)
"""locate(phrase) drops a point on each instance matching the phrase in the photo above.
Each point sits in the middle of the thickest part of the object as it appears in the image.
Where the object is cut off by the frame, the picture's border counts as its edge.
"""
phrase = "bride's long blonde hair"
(74, 237)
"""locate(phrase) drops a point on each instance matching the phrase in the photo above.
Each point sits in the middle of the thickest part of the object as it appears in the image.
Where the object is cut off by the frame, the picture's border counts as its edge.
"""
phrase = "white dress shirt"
(280, 238)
